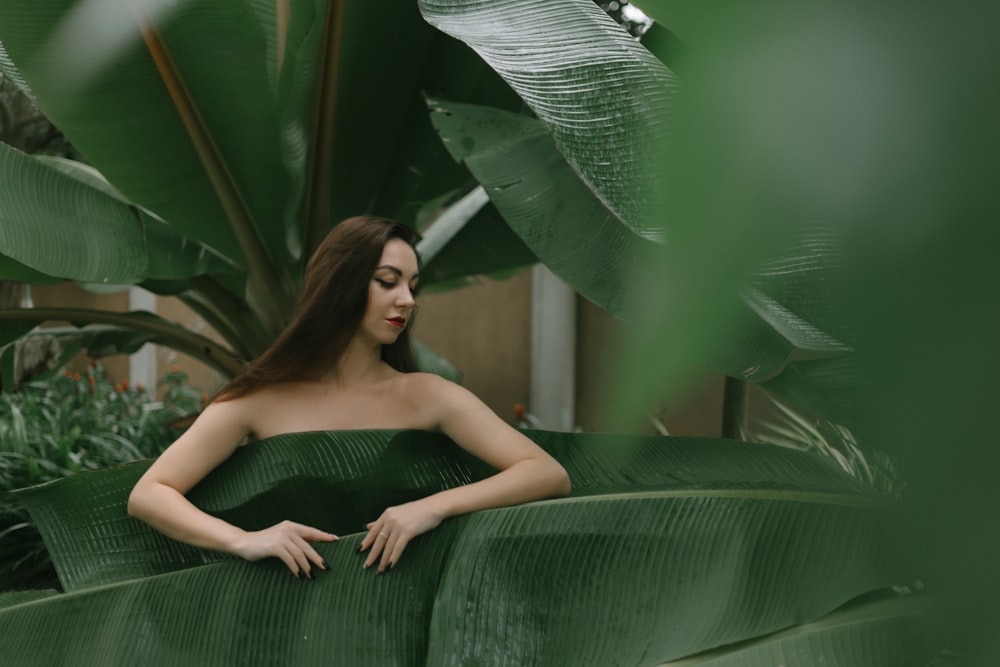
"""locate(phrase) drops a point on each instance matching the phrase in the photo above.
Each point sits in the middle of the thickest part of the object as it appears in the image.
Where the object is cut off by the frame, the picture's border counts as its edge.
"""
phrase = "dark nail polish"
(298, 575)
(392, 565)
(359, 550)
(326, 565)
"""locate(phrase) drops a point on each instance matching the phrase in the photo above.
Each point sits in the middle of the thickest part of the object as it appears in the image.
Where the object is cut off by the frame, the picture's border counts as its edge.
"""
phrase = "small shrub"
(74, 422)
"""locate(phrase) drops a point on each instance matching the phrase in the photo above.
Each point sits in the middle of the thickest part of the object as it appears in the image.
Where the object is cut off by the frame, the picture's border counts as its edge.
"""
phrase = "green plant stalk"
(239, 315)
(167, 333)
(264, 277)
(321, 156)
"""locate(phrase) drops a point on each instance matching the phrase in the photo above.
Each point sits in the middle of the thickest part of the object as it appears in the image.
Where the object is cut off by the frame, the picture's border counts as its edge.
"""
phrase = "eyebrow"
(395, 270)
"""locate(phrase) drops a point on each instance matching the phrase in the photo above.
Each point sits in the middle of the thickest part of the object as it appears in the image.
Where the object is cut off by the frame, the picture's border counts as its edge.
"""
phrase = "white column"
(553, 351)
(142, 364)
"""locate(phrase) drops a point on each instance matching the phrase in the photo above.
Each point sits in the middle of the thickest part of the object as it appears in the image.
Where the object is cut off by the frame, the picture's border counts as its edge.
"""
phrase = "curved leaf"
(357, 471)
(239, 613)
(671, 545)
(212, 174)
(469, 238)
(544, 201)
(100, 238)
(604, 98)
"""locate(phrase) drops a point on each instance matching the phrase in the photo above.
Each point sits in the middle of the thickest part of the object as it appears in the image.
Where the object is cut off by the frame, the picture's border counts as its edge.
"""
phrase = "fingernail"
(392, 565)
(359, 550)
(326, 565)
(298, 575)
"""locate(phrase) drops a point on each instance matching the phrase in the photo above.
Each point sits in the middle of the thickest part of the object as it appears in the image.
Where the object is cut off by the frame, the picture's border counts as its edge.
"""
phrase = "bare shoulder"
(428, 387)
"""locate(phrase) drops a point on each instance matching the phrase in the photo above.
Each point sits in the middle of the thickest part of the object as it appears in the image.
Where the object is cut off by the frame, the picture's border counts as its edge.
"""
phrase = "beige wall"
(697, 411)
(485, 330)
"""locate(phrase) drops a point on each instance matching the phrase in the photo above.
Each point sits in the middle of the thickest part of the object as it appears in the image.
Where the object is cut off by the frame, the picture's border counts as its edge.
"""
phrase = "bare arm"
(159, 496)
(526, 473)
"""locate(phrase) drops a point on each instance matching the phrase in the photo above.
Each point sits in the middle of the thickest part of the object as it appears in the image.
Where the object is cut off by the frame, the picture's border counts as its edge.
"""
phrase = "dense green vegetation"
(71, 423)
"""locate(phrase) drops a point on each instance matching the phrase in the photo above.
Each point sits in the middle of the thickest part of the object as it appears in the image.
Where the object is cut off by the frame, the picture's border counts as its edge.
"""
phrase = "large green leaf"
(469, 238)
(100, 238)
(385, 465)
(423, 170)
(603, 97)
(544, 201)
(214, 175)
(669, 546)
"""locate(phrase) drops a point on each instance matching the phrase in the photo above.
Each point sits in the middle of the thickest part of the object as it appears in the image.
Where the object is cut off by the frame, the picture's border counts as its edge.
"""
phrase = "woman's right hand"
(288, 541)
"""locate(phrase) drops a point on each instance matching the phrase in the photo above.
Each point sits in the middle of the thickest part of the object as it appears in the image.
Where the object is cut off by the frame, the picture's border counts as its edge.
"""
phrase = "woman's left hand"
(390, 533)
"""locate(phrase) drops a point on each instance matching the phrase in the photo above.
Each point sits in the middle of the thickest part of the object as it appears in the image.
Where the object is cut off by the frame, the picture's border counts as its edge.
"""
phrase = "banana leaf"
(470, 238)
(102, 240)
(667, 547)
(603, 97)
(545, 202)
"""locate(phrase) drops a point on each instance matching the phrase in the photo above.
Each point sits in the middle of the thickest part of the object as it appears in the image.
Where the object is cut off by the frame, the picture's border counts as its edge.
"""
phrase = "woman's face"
(391, 293)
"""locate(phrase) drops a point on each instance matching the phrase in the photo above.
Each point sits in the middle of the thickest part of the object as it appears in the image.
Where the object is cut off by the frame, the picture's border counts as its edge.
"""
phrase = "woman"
(343, 362)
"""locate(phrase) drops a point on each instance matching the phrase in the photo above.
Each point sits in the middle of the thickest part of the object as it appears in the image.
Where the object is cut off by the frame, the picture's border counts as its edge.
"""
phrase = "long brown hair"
(330, 310)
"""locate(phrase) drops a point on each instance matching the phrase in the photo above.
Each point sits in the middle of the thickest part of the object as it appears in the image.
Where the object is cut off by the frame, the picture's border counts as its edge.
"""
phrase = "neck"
(361, 361)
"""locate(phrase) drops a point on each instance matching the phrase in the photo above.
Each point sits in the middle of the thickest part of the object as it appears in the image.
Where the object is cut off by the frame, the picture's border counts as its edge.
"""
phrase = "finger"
(311, 554)
(315, 535)
(397, 550)
(374, 528)
(300, 558)
(377, 547)
(287, 559)
(387, 552)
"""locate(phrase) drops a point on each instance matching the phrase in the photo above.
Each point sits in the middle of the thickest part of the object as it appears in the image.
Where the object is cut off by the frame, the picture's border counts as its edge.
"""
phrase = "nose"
(405, 297)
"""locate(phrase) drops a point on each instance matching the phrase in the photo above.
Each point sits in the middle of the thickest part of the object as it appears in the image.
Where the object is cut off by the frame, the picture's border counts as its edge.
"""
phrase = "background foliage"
(69, 424)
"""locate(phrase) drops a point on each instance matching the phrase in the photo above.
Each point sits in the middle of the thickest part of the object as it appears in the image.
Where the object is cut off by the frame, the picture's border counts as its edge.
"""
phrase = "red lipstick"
(397, 322)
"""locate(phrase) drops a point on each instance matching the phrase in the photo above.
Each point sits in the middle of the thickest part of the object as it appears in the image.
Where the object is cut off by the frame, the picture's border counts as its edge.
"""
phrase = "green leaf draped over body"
(667, 547)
